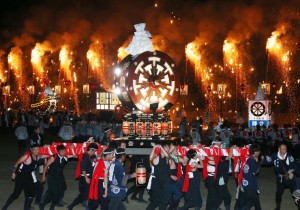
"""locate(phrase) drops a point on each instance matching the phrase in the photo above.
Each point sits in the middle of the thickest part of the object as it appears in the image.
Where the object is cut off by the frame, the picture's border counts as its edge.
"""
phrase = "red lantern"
(68, 82)
(45, 81)
(93, 86)
(181, 87)
(23, 87)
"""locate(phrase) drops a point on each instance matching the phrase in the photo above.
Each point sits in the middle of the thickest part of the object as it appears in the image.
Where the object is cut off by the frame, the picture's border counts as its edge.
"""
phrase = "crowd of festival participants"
(172, 170)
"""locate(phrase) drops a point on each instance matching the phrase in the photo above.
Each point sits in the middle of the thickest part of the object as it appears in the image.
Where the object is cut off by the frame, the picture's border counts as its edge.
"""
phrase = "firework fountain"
(15, 61)
(3, 72)
(98, 63)
(65, 57)
(203, 73)
(280, 50)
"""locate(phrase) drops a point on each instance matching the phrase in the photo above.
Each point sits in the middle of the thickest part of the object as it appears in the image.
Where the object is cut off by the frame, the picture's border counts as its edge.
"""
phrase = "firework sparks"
(203, 75)
(279, 49)
(93, 59)
(99, 65)
(3, 72)
(192, 53)
(36, 59)
(37, 54)
(16, 65)
(65, 57)
(230, 54)
(273, 43)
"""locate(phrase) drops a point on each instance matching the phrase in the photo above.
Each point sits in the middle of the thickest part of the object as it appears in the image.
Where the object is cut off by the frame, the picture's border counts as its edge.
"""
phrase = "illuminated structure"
(147, 84)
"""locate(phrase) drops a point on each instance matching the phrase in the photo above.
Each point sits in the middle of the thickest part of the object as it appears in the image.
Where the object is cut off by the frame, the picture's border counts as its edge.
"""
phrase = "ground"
(9, 154)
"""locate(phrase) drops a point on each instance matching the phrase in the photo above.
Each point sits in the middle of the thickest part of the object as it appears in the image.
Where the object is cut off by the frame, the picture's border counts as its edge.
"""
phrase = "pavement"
(9, 154)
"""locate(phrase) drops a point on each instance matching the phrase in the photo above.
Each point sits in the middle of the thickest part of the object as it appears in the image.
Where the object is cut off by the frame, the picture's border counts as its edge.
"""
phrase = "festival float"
(46, 101)
(147, 85)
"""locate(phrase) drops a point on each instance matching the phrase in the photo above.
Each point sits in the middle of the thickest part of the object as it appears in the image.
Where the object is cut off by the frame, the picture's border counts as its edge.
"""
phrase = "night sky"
(250, 23)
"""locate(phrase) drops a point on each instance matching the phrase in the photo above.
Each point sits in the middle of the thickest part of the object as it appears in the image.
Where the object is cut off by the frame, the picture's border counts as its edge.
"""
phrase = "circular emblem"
(245, 182)
(258, 109)
(150, 78)
(116, 190)
(246, 169)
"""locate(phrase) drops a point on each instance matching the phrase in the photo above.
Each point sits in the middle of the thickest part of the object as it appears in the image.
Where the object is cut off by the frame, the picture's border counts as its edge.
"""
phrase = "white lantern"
(266, 88)
(57, 89)
(221, 89)
(86, 89)
(31, 90)
(6, 90)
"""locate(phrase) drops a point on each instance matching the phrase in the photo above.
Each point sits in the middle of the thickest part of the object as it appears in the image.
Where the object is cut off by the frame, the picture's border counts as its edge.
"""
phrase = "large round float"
(148, 82)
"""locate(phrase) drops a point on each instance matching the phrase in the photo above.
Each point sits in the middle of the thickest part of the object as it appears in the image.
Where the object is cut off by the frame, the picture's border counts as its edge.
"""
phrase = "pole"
(221, 107)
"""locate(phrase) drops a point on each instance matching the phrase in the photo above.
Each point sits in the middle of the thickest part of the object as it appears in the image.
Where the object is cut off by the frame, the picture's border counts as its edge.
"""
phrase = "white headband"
(120, 153)
(106, 153)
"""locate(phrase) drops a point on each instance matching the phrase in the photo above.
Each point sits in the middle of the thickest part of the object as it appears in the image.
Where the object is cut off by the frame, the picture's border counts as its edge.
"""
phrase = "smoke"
(172, 23)
(66, 22)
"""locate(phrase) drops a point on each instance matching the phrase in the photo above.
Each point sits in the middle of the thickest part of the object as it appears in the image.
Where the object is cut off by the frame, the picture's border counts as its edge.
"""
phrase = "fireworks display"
(280, 51)
(235, 43)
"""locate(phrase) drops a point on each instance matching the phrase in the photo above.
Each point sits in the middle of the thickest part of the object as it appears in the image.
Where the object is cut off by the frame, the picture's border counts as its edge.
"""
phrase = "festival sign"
(259, 110)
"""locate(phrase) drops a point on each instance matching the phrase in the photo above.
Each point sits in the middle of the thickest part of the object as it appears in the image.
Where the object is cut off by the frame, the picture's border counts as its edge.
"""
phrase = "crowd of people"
(173, 168)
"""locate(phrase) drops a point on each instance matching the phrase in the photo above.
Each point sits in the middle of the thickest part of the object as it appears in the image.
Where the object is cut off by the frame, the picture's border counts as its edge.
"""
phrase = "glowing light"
(93, 59)
(15, 61)
(272, 42)
(280, 49)
(75, 77)
(117, 91)
(65, 57)
(122, 53)
(99, 65)
(279, 91)
(117, 71)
